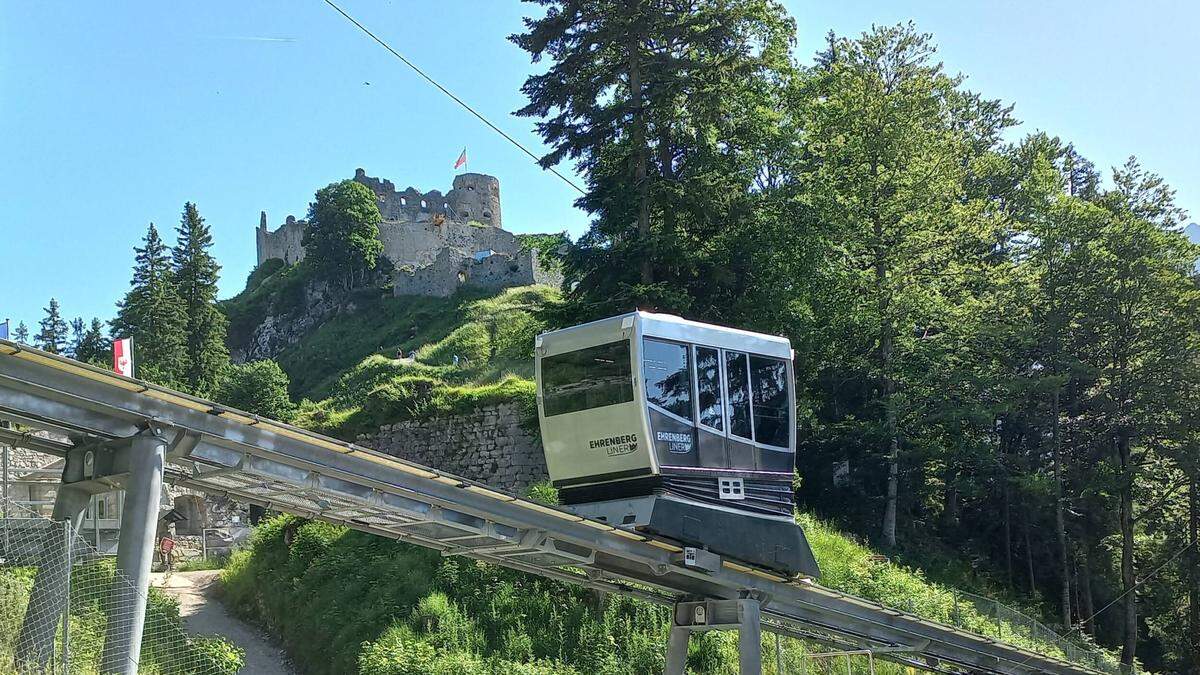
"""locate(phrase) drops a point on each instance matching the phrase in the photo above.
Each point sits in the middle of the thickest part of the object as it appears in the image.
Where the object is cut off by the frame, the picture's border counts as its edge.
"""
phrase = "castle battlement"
(437, 241)
(474, 197)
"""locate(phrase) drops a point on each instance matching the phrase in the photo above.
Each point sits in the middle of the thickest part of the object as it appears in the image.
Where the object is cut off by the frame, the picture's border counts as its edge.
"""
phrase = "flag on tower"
(123, 357)
(462, 159)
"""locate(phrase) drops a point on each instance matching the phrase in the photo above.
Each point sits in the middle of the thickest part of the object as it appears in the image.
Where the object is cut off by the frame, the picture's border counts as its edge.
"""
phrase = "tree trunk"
(1128, 576)
(1194, 572)
(1086, 606)
(886, 347)
(1060, 524)
(639, 162)
(1029, 557)
(1008, 543)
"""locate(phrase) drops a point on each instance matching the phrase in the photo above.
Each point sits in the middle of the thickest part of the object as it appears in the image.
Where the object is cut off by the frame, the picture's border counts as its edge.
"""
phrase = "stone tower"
(476, 196)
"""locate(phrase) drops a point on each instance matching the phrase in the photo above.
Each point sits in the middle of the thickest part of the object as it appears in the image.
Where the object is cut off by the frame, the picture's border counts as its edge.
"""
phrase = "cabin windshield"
(587, 378)
(738, 394)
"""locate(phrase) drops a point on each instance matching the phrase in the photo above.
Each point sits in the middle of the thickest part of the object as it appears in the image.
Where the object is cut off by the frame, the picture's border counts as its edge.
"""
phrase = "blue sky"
(114, 114)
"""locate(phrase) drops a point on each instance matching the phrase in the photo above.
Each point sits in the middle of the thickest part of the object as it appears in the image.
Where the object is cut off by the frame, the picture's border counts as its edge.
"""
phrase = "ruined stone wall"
(489, 446)
(455, 268)
(284, 243)
(419, 244)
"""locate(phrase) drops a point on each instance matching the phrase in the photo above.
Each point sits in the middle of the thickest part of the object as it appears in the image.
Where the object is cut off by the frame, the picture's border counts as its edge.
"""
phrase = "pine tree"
(93, 347)
(77, 330)
(196, 273)
(21, 333)
(152, 314)
(53, 334)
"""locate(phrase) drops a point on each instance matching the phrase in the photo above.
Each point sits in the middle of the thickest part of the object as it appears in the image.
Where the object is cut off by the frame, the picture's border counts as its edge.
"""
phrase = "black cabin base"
(771, 542)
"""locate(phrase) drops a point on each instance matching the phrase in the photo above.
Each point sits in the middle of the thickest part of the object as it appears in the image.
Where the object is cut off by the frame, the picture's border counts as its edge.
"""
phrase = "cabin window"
(738, 394)
(708, 388)
(587, 378)
(769, 382)
(667, 372)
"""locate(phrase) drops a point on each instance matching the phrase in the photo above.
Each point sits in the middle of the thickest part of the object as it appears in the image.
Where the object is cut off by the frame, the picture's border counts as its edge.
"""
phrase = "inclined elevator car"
(678, 429)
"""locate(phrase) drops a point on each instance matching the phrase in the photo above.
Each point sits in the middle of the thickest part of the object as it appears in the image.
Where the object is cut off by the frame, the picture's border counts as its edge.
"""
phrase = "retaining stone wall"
(489, 446)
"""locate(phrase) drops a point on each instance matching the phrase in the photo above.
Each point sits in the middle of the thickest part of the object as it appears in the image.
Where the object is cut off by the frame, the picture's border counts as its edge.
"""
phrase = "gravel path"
(203, 614)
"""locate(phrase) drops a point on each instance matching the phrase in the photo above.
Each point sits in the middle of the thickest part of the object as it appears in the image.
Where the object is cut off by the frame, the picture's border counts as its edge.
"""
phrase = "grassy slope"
(347, 371)
(351, 362)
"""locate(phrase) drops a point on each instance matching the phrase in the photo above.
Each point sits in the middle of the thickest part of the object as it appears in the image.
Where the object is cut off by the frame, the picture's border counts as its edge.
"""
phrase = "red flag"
(123, 357)
(462, 159)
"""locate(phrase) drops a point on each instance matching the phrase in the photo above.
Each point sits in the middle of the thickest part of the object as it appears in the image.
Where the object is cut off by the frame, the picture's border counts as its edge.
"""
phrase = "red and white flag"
(462, 159)
(123, 357)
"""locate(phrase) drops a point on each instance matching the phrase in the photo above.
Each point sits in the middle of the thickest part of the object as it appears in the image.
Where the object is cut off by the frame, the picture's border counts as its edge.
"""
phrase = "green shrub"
(260, 273)
(543, 492)
(258, 387)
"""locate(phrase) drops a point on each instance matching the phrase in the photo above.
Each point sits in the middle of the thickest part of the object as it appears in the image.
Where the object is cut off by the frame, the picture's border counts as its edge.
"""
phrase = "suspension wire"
(456, 99)
(1131, 589)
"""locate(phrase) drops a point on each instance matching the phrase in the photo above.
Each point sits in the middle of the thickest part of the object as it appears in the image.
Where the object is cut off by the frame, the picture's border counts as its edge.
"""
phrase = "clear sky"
(114, 114)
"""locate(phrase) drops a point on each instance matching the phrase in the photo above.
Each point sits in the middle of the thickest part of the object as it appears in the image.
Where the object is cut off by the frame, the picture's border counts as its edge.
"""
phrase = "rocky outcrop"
(491, 445)
(277, 332)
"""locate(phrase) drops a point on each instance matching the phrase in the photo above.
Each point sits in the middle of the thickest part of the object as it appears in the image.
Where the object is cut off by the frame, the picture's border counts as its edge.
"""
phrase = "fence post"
(68, 536)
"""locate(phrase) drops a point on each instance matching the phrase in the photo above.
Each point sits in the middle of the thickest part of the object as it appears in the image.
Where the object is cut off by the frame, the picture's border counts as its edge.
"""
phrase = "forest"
(996, 340)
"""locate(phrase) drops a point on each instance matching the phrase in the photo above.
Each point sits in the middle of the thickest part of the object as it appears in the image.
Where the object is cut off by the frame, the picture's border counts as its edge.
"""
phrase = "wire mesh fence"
(1010, 624)
(66, 609)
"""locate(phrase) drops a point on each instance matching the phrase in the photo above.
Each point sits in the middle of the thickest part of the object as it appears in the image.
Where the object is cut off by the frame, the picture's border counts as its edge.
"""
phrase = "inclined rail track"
(222, 451)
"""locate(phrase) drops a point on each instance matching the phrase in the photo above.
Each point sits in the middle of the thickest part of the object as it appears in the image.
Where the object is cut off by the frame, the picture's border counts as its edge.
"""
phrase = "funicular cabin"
(677, 428)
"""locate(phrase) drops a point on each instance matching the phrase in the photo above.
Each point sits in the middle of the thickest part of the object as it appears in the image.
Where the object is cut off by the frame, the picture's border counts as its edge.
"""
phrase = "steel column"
(743, 615)
(51, 586)
(135, 553)
(749, 637)
(677, 650)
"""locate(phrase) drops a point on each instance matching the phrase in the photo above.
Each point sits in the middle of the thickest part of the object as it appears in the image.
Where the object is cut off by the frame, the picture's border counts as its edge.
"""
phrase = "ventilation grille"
(759, 496)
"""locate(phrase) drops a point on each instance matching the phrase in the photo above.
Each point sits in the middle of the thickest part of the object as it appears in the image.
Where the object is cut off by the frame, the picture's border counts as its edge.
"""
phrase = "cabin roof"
(671, 327)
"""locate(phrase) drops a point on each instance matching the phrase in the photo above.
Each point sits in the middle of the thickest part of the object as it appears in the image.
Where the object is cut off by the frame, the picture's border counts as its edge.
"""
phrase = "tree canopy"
(342, 238)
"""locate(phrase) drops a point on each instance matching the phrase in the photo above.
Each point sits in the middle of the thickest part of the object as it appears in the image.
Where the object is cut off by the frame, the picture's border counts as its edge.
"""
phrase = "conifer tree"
(77, 330)
(93, 347)
(53, 334)
(663, 106)
(196, 273)
(21, 333)
(152, 314)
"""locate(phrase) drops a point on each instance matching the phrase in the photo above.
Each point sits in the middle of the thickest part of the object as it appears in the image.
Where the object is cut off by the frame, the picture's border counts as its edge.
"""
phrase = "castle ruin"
(437, 242)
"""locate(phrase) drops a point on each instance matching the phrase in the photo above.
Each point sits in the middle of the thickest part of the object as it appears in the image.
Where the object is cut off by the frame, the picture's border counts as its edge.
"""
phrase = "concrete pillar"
(135, 552)
(52, 585)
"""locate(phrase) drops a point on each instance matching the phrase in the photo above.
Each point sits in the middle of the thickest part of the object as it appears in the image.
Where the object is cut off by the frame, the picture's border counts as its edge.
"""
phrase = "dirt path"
(203, 614)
